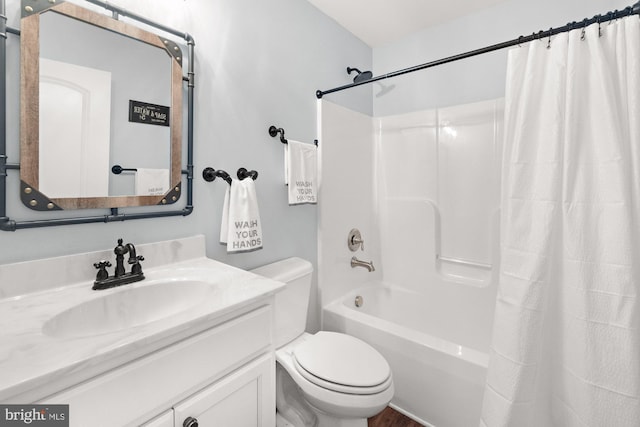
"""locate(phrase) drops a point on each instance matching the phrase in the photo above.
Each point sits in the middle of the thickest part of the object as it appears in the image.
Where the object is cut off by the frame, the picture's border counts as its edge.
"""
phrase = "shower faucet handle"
(358, 241)
(355, 241)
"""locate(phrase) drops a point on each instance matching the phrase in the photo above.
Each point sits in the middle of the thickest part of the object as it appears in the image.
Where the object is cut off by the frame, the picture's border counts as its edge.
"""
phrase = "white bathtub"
(438, 354)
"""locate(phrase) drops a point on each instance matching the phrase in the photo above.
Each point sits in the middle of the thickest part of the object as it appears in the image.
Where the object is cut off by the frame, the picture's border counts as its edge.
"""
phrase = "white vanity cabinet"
(164, 420)
(224, 376)
(244, 398)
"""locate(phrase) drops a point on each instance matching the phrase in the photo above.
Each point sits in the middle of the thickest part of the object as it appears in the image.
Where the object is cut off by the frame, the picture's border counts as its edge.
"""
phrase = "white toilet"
(327, 379)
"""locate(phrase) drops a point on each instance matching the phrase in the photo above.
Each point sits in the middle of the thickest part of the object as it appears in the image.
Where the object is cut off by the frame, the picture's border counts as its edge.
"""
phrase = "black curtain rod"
(609, 16)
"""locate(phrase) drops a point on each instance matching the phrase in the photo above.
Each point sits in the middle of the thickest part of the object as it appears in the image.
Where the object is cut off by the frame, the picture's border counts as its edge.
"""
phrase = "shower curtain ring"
(549, 40)
(598, 19)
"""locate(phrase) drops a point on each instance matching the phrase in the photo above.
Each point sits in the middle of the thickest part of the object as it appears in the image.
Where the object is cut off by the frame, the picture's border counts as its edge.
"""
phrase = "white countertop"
(34, 364)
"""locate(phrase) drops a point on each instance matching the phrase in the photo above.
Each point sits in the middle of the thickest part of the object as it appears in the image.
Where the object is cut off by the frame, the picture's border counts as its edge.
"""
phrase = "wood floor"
(392, 418)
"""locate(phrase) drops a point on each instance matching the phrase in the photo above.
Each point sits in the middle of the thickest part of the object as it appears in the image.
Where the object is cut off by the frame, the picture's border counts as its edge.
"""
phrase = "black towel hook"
(273, 132)
(243, 173)
(210, 174)
(117, 169)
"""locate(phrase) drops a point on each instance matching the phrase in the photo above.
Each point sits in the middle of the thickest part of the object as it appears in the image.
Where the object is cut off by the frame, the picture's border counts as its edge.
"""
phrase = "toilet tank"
(292, 302)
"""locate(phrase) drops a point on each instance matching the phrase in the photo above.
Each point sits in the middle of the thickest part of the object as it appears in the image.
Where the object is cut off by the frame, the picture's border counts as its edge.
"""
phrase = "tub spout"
(355, 262)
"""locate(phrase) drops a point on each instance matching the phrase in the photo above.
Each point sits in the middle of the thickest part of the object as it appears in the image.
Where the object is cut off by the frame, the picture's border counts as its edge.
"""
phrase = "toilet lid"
(342, 359)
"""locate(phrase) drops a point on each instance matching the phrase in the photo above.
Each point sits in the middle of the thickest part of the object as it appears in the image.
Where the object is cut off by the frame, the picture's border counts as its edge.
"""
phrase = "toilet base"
(323, 421)
(282, 422)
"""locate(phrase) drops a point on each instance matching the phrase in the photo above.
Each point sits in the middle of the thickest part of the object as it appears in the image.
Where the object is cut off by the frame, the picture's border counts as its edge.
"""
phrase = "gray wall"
(258, 63)
(473, 79)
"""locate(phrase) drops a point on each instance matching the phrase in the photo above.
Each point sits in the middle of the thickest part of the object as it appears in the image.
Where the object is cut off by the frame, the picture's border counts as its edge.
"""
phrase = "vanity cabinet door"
(164, 420)
(245, 398)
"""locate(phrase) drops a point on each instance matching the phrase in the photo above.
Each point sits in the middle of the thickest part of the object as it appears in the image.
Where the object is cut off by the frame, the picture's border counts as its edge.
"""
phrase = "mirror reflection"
(86, 82)
(105, 95)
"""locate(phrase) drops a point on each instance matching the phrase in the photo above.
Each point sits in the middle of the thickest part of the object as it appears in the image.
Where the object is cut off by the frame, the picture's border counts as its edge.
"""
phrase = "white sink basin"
(126, 307)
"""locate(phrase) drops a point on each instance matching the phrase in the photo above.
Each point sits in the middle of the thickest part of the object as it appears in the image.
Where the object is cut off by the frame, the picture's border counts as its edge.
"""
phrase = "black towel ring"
(243, 173)
(210, 174)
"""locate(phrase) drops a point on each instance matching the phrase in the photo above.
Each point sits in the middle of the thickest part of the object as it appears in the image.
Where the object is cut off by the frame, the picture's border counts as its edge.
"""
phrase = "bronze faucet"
(120, 277)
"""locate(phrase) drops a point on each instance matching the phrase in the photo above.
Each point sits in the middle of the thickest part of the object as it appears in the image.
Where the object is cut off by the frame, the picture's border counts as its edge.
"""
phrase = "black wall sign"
(141, 112)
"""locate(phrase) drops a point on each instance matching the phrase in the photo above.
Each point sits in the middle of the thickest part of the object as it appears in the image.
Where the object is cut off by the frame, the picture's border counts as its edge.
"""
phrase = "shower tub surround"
(56, 349)
(428, 208)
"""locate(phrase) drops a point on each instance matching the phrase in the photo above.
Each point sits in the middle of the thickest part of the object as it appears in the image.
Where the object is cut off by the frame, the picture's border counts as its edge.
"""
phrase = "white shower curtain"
(566, 341)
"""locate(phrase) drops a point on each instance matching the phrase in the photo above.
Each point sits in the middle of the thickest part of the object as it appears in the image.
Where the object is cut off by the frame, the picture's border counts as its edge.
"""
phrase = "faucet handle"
(102, 269)
(102, 264)
(358, 242)
(135, 260)
(136, 268)
(355, 240)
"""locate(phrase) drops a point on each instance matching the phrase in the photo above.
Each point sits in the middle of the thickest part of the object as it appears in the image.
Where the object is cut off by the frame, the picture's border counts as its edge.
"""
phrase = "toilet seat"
(340, 388)
(342, 363)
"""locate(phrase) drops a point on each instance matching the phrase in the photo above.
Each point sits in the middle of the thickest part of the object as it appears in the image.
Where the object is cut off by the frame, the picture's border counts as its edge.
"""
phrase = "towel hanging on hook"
(241, 228)
(300, 172)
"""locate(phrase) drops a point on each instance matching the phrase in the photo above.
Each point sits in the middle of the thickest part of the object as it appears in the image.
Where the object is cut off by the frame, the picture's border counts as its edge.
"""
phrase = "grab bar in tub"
(465, 262)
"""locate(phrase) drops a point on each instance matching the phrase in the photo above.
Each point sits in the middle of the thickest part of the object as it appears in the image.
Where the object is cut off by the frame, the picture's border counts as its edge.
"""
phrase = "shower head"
(362, 75)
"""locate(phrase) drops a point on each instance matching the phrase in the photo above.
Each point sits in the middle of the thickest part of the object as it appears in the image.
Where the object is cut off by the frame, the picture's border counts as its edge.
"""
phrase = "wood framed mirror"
(97, 94)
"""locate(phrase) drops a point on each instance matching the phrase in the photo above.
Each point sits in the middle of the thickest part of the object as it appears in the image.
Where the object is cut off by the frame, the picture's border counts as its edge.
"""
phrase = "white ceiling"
(377, 22)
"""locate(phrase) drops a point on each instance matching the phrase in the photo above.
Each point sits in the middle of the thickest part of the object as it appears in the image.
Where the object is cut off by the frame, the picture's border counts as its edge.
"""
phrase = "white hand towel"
(152, 182)
(224, 225)
(301, 172)
(244, 229)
